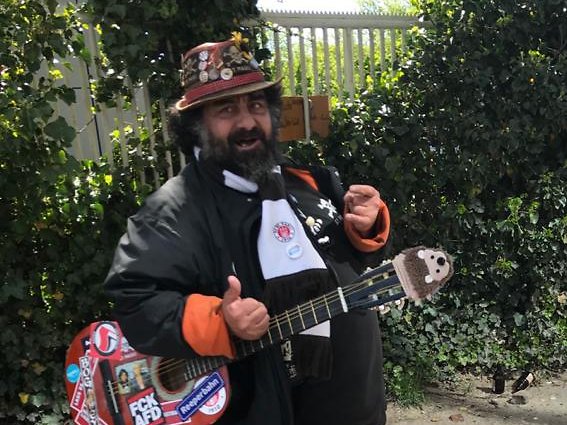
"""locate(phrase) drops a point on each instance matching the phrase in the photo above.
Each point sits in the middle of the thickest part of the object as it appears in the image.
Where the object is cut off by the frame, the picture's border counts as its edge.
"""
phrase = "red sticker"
(284, 232)
(145, 408)
(106, 340)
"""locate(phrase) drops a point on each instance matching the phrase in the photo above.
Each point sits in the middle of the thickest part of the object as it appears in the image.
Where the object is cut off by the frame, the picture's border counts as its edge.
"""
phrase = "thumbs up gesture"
(247, 318)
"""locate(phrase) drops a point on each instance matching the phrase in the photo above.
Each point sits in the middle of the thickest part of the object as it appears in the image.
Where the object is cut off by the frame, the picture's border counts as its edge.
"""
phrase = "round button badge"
(294, 251)
(213, 74)
(226, 74)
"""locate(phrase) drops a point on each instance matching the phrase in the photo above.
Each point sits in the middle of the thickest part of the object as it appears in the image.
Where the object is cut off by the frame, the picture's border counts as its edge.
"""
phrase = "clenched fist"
(362, 205)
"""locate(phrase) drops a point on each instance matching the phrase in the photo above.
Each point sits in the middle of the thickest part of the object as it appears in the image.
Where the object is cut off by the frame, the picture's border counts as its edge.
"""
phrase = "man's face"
(238, 134)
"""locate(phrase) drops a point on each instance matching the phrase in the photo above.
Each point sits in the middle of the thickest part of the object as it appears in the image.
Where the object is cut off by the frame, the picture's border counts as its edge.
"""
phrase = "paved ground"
(472, 402)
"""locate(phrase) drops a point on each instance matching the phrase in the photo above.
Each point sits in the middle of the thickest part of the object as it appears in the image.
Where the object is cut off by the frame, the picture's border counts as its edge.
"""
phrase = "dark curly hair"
(184, 127)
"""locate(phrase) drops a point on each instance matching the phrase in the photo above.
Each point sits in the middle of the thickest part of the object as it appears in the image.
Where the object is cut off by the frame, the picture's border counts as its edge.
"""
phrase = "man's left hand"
(362, 205)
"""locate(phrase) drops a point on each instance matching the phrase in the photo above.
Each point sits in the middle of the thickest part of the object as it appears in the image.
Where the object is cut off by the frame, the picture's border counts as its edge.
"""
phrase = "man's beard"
(255, 165)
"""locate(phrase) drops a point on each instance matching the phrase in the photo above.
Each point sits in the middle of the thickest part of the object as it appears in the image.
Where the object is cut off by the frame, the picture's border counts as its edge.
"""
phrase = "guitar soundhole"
(172, 375)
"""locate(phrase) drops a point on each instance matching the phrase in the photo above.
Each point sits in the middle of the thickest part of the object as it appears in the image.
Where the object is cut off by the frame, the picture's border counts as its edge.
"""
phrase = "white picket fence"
(355, 38)
(335, 50)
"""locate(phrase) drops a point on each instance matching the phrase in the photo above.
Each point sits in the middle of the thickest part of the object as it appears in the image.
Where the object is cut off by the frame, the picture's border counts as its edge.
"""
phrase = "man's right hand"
(247, 318)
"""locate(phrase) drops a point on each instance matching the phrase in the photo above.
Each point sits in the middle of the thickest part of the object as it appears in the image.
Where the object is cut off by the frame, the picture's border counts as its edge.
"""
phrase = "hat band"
(194, 94)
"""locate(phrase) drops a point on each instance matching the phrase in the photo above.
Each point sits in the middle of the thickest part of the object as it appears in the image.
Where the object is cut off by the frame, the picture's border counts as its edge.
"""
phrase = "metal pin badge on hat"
(213, 74)
(213, 71)
(226, 74)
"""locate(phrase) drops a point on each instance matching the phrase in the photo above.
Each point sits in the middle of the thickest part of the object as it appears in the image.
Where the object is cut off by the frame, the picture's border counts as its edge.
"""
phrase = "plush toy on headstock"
(422, 271)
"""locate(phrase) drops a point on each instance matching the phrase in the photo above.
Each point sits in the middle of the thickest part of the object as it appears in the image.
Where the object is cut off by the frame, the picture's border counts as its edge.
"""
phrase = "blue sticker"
(199, 396)
(73, 373)
(295, 251)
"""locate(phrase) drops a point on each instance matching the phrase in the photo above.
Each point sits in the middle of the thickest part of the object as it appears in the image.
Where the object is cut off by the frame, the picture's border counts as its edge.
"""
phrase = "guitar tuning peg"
(418, 302)
(383, 309)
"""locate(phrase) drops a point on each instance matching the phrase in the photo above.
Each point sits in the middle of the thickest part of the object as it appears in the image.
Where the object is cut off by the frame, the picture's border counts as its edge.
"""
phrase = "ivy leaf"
(98, 208)
(519, 319)
(60, 130)
(67, 95)
(52, 5)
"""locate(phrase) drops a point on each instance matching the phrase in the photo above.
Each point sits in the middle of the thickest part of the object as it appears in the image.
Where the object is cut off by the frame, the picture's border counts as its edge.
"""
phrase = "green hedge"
(468, 145)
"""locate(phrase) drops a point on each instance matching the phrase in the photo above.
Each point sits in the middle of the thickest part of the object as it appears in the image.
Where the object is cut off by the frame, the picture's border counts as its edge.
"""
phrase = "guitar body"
(109, 383)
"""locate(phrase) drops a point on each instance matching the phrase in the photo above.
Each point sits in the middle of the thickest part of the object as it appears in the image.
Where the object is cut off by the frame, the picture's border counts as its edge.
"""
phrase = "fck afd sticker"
(145, 409)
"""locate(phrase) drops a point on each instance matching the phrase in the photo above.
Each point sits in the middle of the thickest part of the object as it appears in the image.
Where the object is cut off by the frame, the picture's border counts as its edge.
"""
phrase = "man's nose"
(245, 117)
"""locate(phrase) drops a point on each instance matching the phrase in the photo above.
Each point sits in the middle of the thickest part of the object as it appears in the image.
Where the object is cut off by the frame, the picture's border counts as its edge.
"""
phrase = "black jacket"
(187, 238)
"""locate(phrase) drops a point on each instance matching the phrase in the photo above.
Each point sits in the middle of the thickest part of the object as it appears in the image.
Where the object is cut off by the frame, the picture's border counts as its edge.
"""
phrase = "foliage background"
(60, 219)
(467, 144)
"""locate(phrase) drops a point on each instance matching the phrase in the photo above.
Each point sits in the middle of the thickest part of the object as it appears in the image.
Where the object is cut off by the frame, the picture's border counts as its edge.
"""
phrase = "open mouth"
(248, 144)
(247, 140)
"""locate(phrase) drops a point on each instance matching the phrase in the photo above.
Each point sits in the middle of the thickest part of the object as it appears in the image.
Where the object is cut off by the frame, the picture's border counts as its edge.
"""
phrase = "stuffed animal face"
(437, 264)
(422, 271)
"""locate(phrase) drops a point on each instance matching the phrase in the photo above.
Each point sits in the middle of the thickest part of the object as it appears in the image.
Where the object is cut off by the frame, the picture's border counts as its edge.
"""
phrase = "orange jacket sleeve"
(204, 327)
(381, 231)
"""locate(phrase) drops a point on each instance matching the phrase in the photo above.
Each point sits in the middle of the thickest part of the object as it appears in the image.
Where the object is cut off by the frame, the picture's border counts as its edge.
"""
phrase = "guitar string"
(171, 364)
(316, 304)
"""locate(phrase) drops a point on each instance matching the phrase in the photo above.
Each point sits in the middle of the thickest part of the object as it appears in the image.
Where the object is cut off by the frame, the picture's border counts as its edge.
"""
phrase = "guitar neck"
(385, 288)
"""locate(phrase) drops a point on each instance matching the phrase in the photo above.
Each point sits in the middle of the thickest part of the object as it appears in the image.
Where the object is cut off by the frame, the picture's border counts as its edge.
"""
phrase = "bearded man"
(242, 234)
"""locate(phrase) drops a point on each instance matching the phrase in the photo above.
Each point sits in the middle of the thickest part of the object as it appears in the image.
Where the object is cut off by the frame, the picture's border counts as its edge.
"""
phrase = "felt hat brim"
(183, 105)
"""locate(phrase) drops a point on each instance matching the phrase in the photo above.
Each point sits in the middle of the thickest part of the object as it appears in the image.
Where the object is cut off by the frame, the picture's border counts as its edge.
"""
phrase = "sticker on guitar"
(109, 383)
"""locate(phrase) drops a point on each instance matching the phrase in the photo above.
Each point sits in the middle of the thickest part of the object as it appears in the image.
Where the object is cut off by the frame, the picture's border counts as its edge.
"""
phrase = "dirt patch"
(471, 401)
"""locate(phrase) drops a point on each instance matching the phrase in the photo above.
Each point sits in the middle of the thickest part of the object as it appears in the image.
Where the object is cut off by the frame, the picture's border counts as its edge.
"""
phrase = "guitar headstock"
(423, 271)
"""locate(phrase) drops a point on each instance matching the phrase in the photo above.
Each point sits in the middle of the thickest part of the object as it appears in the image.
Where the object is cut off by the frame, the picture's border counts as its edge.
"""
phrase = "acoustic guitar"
(109, 383)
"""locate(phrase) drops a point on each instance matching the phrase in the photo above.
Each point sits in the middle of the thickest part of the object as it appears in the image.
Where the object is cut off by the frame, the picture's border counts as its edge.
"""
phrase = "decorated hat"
(213, 71)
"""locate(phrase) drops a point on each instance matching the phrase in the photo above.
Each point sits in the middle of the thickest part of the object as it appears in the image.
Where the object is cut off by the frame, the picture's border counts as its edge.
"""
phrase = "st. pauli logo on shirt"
(283, 231)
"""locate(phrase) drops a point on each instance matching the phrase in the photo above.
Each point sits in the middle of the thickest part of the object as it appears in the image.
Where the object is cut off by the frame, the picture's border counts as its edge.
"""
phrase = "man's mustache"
(243, 134)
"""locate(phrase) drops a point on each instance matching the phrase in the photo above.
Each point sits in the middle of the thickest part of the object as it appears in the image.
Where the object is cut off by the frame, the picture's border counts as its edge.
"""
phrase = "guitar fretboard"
(376, 287)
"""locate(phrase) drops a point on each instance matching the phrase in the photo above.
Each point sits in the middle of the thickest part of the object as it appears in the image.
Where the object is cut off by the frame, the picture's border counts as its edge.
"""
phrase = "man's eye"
(225, 110)
(257, 106)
